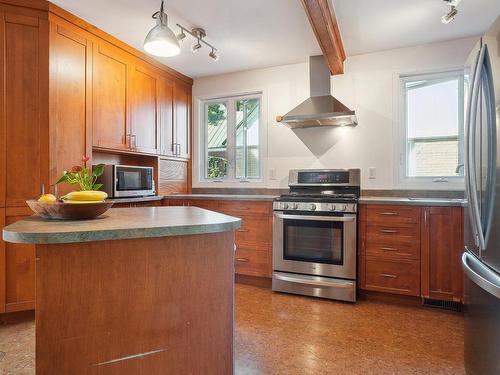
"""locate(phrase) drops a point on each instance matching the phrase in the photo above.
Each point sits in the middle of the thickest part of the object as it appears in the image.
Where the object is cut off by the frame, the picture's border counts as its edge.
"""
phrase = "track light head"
(448, 17)
(214, 55)
(196, 46)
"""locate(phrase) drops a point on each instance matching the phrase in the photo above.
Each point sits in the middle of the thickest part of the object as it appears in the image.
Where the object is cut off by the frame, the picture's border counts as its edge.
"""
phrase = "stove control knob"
(332, 207)
(313, 207)
(295, 206)
(284, 206)
(343, 207)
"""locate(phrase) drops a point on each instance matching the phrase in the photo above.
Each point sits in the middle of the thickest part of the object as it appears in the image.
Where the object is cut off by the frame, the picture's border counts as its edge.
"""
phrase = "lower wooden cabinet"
(442, 244)
(253, 238)
(18, 267)
(411, 250)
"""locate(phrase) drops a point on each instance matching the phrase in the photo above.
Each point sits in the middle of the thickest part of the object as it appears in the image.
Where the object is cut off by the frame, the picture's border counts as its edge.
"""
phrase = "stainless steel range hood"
(321, 109)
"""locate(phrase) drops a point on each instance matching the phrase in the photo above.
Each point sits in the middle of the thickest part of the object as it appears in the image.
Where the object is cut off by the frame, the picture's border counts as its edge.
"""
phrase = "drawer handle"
(388, 275)
(388, 231)
(245, 260)
(242, 230)
(389, 249)
(389, 213)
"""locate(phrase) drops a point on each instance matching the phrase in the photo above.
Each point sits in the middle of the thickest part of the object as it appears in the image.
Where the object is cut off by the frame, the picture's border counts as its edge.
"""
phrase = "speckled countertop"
(414, 201)
(121, 223)
(236, 197)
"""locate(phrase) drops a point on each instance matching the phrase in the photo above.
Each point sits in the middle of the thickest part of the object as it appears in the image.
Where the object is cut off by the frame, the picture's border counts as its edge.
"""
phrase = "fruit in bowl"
(47, 198)
(85, 196)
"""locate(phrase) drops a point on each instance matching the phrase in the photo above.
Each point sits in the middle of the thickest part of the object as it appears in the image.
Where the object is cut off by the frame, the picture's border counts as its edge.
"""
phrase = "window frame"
(402, 179)
(230, 102)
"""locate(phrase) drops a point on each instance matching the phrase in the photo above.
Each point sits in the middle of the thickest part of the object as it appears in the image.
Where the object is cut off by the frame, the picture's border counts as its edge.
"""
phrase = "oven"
(315, 244)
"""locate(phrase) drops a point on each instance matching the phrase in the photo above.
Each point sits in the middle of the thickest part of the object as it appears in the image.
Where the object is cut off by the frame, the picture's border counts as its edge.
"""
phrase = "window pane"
(434, 110)
(217, 156)
(247, 138)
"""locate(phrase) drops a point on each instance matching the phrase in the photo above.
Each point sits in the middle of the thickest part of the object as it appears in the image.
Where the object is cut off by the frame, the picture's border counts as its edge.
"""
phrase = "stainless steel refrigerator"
(481, 257)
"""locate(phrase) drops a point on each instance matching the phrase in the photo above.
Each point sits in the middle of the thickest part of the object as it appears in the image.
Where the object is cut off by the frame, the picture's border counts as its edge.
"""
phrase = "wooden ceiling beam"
(325, 26)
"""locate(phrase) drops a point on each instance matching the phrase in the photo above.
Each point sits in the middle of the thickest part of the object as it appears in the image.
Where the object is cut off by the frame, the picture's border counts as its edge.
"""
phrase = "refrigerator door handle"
(492, 145)
(481, 275)
(474, 204)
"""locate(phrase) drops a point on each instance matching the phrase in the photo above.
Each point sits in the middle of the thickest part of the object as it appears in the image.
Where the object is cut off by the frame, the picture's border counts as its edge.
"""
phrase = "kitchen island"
(136, 291)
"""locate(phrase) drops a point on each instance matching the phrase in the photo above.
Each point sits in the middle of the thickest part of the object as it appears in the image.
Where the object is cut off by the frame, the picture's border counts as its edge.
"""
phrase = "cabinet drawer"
(393, 276)
(253, 230)
(253, 262)
(393, 250)
(247, 207)
(388, 234)
(392, 214)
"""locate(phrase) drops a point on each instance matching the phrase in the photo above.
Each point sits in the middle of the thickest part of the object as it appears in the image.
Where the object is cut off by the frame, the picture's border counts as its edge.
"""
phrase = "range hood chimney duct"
(321, 109)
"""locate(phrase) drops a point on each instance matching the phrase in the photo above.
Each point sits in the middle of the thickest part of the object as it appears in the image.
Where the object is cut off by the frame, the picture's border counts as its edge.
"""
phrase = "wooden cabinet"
(19, 262)
(254, 237)
(389, 249)
(70, 99)
(144, 128)
(172, 177)
(442, 244)
(156, 203)
(165, 95)
(182, 113)
(411, 250)
(25, 147)
(110, 107)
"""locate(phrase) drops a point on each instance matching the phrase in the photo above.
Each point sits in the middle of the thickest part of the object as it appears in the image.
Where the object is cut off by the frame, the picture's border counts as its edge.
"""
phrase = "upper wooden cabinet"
(165, 95)
(182, 113)
(144, 105)
(70, 100)
(442, 246)
(24, 108)
(110, 110)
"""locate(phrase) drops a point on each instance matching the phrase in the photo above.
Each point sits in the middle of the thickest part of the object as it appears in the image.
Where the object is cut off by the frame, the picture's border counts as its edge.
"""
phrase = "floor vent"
(445, 305)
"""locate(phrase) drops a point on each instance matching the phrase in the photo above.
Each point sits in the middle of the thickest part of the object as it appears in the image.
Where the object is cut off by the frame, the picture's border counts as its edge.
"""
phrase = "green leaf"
(98, 170)
(63, 178)
(96, 186)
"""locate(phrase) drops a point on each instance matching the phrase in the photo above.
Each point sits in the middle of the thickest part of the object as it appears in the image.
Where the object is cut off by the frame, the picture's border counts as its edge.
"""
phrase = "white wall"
(368, 86)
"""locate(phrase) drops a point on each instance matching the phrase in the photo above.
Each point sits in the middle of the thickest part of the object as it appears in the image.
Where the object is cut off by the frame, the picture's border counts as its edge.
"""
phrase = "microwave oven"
(121, 181)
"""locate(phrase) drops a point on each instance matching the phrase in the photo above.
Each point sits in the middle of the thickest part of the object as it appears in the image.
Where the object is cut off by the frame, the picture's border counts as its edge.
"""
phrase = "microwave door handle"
(316, 218)
(474, 204)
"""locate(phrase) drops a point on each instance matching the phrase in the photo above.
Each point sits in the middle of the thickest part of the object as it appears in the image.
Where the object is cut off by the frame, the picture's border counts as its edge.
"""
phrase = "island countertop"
(120, 224)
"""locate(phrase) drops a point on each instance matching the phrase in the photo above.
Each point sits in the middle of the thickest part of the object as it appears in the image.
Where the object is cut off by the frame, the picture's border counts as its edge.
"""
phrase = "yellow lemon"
(47, 198)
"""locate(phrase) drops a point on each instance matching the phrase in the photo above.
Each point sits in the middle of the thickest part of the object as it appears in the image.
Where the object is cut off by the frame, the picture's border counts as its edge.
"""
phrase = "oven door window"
(313, 241)
(133, 179)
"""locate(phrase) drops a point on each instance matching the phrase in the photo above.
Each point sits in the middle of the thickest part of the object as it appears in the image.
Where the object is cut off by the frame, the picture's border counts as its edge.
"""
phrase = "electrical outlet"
(372, 173)
(272, 174)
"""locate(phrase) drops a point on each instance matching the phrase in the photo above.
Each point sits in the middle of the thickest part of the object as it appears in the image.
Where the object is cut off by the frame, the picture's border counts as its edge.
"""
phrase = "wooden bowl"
(69, 211)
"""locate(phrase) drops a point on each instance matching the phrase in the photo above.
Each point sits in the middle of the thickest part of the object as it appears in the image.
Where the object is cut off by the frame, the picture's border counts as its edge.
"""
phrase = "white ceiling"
(248, 34)
(261, 33)
(368, 25)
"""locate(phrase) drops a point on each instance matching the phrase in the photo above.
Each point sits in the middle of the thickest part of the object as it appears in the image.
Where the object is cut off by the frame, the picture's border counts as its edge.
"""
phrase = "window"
(232, 134)
(433, 134)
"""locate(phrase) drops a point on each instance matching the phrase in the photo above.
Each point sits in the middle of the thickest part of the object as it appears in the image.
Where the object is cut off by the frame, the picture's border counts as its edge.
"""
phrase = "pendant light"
(161, 40)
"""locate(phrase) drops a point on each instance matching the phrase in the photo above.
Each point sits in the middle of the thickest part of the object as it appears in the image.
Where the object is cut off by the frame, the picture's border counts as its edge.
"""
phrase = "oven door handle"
(317, 283)
(316, 218)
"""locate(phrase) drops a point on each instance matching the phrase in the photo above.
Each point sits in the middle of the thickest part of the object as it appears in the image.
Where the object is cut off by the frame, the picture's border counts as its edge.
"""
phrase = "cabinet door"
(172, 177)
(165, 94)
(19, 269)
(144, 110)
(110, 82)
(182, 105)
(25, 64)
(442, 245)
(2, 263)
(70, 101)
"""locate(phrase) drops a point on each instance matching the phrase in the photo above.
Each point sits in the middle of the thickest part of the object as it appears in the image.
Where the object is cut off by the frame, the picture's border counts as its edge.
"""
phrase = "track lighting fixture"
(199, 34)
(161, 40)
(450, 15)
(181, 36)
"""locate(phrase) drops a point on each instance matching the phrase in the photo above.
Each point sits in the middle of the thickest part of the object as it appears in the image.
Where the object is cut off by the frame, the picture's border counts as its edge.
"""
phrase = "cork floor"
(285, 334)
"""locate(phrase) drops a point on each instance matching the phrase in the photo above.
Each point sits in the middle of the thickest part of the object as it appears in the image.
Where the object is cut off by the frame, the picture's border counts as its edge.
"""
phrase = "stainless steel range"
(314, 234)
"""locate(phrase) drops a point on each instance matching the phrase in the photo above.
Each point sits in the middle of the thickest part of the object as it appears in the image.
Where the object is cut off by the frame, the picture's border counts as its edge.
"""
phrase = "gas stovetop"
(319, 197)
